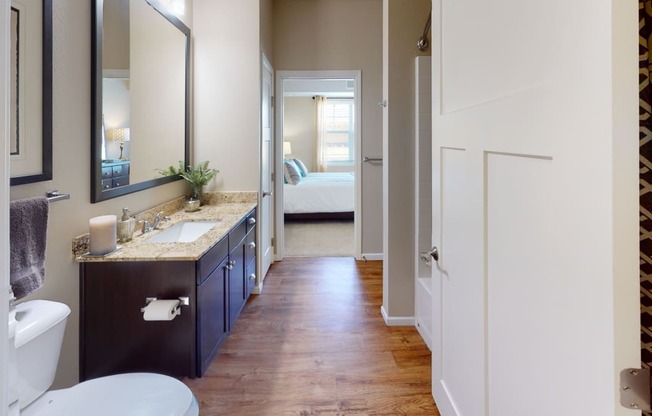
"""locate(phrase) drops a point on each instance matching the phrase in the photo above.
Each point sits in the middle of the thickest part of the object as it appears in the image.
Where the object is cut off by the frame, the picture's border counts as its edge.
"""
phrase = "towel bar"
(55, 195)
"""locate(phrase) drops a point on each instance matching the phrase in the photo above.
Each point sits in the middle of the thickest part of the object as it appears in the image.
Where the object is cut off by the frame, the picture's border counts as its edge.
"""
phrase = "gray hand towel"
(27, 235)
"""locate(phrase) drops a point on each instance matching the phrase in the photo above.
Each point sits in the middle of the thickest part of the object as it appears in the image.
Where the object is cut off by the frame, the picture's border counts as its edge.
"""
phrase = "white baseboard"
(258, 289)
(396, 320)
(372, 256)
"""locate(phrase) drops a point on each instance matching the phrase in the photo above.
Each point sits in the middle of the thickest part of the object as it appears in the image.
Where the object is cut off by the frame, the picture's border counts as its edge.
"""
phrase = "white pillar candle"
(102, 233)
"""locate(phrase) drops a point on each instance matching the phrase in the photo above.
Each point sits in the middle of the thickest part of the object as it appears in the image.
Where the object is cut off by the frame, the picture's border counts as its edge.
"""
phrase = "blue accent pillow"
(291, 172)
(303, 170)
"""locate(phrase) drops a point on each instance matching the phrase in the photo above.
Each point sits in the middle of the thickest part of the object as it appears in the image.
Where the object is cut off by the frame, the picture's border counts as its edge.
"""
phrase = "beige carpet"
(319, 238)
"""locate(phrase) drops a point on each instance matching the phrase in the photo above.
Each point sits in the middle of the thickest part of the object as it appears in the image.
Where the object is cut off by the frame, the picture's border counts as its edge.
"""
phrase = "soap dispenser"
(126, 226)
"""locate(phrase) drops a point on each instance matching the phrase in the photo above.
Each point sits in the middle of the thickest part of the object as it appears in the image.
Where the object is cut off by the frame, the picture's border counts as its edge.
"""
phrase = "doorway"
(318, 163)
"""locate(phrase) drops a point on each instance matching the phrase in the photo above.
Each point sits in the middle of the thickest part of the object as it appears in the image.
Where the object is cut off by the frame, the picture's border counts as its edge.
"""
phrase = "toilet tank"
(40, 325)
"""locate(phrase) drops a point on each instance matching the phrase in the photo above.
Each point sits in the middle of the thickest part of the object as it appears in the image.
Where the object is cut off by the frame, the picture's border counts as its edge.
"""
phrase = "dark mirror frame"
(46, 103)
(97, 194)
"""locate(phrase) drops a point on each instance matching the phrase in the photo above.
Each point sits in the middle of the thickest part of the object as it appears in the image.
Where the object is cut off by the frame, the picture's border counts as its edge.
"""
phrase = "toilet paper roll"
(161, 310)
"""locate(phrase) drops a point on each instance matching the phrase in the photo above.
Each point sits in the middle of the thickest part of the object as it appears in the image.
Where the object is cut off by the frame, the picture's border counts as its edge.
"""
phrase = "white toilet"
(37, 329)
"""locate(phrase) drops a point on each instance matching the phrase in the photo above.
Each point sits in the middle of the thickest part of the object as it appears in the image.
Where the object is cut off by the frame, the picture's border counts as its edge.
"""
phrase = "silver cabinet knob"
(252, 246)
(229, 267)
(252, 277)
(252, 221)
(434, 253)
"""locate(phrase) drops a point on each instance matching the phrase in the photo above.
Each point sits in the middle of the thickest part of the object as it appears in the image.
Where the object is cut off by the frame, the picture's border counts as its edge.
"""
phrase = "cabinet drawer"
(250, 220)
(120, 181)
(117, 171)
(237, 235)
(212, 259)
(107, 183)
(250, 246)
(107, 172)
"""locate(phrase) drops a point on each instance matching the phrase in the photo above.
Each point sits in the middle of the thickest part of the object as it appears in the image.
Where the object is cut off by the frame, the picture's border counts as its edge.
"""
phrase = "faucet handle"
(146, 227)
(160, 216)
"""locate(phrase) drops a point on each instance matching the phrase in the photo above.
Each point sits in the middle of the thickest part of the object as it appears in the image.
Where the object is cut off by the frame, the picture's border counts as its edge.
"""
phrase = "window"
(339, 140)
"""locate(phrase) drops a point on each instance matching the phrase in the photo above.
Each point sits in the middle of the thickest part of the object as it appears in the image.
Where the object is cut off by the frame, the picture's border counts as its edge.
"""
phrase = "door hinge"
(635, 386)
(273, 242)
(273, 101)
(272, 176)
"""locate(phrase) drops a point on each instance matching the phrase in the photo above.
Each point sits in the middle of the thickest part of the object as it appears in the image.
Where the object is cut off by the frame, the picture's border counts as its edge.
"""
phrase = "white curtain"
(320, 133)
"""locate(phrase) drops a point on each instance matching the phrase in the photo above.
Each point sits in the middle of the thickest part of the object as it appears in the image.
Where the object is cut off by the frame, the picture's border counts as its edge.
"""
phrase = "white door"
(267, 185)
(535, 205)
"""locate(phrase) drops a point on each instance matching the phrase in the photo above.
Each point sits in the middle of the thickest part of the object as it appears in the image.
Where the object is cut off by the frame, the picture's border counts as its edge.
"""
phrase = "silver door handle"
(434, 253)
(265, 193)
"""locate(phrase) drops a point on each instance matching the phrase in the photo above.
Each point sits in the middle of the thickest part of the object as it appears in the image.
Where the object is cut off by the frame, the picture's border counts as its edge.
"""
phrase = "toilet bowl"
(142, 394)
(39, 327)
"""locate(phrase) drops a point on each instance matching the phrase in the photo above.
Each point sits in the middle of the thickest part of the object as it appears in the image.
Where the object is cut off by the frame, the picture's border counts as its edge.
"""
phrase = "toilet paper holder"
(183, 301)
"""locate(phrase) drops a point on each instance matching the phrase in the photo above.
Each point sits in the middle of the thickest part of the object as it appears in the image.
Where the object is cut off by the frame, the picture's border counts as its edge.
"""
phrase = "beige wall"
(157, 114)
(341, 35)
(115, 49)
(116, 108)
(299, 128)
(267, 29)
(404, 21)
(71, 132)
(227, 97)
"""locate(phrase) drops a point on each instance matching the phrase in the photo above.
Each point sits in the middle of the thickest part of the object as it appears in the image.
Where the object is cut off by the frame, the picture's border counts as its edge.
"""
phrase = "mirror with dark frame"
(30, 91)
(140, 96)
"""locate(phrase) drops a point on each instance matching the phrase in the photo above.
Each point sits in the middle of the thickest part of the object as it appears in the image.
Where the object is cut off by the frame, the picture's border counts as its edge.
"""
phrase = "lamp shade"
(121, 134)
(287, 148)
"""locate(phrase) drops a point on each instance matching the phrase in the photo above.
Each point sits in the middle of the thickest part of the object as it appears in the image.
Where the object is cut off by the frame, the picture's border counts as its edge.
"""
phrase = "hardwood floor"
(314, 343)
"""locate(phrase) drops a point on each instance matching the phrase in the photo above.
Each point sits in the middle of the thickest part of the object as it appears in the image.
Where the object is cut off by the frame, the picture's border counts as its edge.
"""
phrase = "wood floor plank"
(314, 343)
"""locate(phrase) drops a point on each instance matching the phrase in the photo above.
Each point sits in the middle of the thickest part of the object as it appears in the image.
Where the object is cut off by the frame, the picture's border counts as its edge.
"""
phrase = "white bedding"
(320, 192)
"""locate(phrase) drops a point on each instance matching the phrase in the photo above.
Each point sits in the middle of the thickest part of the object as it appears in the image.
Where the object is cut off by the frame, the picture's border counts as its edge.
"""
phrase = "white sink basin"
(183, 232)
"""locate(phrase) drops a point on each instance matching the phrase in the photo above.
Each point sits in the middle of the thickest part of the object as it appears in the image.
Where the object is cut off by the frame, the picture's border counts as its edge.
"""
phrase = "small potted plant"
(197, 177)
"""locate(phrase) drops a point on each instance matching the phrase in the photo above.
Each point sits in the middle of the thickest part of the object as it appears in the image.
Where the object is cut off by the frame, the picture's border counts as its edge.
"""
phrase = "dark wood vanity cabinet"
(114, 337)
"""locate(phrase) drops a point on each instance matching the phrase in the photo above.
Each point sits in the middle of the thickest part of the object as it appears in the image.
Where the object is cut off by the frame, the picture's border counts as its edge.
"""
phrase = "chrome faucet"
(147, 227)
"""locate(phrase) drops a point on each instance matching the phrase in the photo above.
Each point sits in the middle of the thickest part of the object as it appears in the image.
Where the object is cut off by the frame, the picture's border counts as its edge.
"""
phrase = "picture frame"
(30, 91)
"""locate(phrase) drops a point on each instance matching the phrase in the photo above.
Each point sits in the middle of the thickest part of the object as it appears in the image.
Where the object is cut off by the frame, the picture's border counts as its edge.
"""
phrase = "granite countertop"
(229, 214)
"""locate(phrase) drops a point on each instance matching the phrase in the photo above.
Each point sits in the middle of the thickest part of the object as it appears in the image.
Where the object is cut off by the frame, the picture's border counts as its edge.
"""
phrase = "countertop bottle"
(126, 226)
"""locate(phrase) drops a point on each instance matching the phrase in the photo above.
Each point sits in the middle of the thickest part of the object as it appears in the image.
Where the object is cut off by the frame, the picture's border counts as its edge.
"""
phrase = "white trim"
(258, 288)
(396, 320)
(278, 151)
(372, 256)
(4, 207)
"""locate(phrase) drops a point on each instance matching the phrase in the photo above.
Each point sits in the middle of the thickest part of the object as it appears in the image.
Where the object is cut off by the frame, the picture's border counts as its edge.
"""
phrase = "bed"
(320, 195)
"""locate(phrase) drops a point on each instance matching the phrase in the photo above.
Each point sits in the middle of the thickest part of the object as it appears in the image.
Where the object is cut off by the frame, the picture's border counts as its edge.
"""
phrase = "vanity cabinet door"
(250, 261)
(236, 283)
(114, 337)
(250, 246)
(211, 316)
(250, 278)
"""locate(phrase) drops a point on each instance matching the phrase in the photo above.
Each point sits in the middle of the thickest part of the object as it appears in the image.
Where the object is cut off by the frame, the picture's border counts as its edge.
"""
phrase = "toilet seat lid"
(141, 394)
